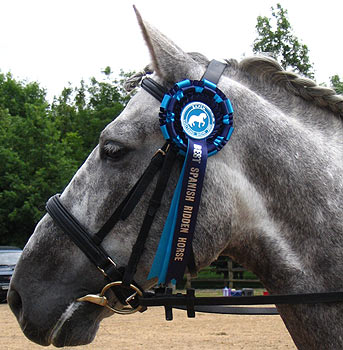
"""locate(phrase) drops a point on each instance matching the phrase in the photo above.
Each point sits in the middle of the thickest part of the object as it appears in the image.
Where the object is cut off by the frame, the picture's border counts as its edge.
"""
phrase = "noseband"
(121, 279)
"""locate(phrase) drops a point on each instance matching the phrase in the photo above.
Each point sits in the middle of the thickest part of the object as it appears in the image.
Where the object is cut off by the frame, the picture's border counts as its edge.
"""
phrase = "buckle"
(101, 300)
(160, 150)
(102, 270)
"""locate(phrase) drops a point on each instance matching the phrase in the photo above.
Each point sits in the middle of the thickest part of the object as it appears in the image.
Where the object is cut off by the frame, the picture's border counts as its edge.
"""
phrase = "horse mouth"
(78, 325)
(80, 322)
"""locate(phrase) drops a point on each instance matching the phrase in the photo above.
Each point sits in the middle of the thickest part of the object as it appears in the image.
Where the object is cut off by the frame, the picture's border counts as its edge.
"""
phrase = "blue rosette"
(196, 109)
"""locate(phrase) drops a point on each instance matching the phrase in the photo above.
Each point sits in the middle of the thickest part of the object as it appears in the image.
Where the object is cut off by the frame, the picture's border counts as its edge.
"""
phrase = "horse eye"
(113, 151)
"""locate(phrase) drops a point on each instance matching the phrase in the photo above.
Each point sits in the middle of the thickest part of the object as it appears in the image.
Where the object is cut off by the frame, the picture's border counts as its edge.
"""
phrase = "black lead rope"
(193, 304)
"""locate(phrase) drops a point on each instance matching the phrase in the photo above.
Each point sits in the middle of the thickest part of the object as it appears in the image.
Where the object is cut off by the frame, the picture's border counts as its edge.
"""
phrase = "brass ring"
(125, 310)
(101, 300)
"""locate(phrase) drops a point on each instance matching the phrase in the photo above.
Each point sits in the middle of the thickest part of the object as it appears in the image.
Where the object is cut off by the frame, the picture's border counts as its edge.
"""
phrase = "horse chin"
(78, 325)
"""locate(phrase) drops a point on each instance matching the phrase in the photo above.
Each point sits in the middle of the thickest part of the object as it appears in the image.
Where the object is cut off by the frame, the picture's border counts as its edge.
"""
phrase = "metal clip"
(95, 299)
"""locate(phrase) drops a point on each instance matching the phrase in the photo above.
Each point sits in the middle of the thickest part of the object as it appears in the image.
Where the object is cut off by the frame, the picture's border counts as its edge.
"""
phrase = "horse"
(272, 200)
(200, 119)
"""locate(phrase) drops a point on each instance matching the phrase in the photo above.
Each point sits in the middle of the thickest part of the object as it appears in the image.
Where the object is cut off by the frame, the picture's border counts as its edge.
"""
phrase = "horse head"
(271, 199)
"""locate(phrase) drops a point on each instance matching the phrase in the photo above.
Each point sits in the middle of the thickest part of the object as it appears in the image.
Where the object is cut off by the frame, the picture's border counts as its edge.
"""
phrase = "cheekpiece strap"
(132, 199)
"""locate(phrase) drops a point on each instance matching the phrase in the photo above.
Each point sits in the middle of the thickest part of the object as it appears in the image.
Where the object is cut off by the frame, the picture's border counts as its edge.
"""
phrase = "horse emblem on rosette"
(272, 199)
(200, 119)
(197, 120)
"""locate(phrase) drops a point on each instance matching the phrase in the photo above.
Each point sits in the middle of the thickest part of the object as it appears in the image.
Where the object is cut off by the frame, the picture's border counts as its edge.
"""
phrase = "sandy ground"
(150, 331)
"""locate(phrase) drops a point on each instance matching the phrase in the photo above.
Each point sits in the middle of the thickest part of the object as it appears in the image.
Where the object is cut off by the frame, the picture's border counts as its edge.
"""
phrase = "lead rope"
(192, 303)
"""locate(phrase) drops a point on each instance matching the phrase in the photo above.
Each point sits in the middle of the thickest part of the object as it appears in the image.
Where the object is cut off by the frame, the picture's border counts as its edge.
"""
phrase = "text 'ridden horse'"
(272, 199)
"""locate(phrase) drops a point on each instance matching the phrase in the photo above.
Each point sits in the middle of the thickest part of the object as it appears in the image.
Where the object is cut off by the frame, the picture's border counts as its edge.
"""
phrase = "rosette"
(199, 110)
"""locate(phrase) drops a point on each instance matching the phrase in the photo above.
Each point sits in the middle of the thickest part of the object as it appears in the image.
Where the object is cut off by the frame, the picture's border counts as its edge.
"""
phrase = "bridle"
(120, 280)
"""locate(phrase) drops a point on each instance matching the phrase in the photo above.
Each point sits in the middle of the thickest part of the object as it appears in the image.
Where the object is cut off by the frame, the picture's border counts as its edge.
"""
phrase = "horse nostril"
(14, 301)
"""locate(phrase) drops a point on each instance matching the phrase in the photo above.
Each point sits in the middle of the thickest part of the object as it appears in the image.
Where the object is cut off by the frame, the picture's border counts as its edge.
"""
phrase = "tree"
(337, 84)
(82, 112)
(14, 95)
(276, 38)
(42, 145)
(33, 161)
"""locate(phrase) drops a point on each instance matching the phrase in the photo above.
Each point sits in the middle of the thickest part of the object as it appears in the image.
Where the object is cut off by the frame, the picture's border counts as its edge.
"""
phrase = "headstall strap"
(154, 204)
(214, 71)
(154, 89)
(132, 199)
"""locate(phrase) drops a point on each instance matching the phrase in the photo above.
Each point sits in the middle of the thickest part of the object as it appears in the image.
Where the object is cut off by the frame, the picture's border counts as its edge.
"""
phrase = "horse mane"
(265, 68)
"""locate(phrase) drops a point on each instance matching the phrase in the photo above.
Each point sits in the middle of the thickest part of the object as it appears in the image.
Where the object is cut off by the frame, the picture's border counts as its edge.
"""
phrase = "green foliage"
(42, 146)
(14, 95)
(337, 84)
(276, 38)
(33, 164)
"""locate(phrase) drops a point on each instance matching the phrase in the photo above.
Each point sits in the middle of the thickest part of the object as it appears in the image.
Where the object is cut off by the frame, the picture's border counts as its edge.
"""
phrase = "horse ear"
(168, 60)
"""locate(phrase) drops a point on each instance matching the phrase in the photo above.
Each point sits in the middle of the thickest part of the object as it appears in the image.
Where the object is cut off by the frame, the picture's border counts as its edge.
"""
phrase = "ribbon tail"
(161, 260)
(188, 206)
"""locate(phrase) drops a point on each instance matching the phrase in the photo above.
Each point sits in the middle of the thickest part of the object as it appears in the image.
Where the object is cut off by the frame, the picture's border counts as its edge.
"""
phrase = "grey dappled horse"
(272, 200)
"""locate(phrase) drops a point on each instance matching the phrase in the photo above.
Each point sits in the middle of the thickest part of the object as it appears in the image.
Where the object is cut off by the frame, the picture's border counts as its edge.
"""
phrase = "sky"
(60, 42)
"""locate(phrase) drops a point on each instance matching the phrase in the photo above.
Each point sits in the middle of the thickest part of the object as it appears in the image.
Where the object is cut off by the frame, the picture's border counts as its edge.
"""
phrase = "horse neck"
(291, 172)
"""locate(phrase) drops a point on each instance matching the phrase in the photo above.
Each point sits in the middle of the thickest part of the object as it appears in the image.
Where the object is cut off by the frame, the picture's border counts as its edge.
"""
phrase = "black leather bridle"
(124, 288)
(124, 285)
(121, 279)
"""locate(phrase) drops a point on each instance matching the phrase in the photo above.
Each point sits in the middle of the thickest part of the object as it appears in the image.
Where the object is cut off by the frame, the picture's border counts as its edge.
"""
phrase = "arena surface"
(150, 331)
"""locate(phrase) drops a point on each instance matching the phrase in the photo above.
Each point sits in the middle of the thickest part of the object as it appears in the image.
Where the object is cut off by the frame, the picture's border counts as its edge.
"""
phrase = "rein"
(209, 139)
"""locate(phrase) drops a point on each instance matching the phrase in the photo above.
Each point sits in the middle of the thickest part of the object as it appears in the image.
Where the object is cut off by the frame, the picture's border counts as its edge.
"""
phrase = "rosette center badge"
(197, 120)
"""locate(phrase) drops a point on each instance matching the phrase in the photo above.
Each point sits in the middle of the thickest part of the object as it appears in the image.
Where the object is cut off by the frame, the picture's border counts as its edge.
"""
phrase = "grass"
(209, 272)
(219, 292)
